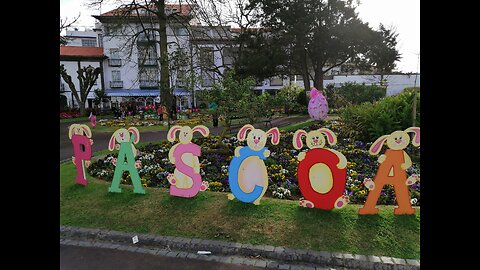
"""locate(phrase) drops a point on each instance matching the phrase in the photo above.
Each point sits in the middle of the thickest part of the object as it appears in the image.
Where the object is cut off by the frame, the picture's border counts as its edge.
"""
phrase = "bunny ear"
(171, 133)
(136, 133)
(297, 139)
(242, 133)
(275, 135)
(87, 130)
(202, 129)
(111, 143)
(416, 135)
(70, 130)
(332, 139)
(377, 145)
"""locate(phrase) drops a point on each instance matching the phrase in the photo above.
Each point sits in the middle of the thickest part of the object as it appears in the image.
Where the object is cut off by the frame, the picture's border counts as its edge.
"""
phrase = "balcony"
(147, 61)
(115, 62)
(116, 84)
(148, 84)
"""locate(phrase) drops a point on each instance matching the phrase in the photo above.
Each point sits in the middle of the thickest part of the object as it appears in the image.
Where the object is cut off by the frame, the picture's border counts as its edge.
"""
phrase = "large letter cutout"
(247, 174)
(322, 173)
(128, 152)
(186, 180)
(82, 150)
(392, 171)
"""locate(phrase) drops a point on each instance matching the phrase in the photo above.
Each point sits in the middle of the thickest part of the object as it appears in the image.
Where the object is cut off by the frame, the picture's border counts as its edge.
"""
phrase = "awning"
(142, 92)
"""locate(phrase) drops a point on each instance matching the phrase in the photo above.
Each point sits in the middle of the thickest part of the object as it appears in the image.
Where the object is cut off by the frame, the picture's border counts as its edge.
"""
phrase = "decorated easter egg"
(318, 105)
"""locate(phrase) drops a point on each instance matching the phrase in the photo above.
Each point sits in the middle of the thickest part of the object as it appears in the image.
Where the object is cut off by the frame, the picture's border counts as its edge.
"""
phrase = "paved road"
(79, 258)
(101, 138)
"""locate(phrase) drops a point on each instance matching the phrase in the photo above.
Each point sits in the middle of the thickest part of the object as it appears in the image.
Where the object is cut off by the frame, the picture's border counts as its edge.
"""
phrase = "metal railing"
(116, 84)
(147, 61)
(115, 62)
(148, 83)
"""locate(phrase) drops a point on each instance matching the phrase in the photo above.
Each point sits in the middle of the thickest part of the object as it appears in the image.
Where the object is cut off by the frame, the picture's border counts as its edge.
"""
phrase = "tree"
(288, 94)
(383, 54)
(64, 24)
(86, 78)
(233, 97)
(100, 96)
(319, 34)
(151, 18)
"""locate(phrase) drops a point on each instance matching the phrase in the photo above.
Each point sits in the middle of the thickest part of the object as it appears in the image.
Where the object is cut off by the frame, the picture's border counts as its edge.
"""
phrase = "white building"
(73, 58)
(128, 54)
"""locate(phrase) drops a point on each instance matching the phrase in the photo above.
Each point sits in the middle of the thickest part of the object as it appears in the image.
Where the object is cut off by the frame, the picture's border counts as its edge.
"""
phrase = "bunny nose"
(398, 141)
(121, 134)
(256, 141)
(315, 141)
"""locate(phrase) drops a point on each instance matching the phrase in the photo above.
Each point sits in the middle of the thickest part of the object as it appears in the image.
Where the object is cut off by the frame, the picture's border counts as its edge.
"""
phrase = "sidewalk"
(263, 256)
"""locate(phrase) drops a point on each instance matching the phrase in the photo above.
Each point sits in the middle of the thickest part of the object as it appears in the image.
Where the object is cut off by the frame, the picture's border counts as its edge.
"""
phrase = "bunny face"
(79, 129)
(122, 135)
(315, 139)
(186, 133)
(398, 140)
(256, 139)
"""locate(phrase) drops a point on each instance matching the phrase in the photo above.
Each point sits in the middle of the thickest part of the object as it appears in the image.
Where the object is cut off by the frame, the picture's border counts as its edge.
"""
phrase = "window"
(114, 53)
(208, 78)
(89, 42)
(100, 40)
(180, 31)
(147, 55)
(116, 75)
(116, 81)
(148, 77)
(206, 57)
(180, 78)
(228, 55)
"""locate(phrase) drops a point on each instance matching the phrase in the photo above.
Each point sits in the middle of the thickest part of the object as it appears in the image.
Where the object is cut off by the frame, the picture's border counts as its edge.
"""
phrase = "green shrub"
(351, 93)
(368, 121)
(203, 105)
(335, 99)
(287, 98)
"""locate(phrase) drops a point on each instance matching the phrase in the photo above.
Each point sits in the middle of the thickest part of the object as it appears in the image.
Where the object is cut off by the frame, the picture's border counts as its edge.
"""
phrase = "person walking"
(160, 112)
(93, 118)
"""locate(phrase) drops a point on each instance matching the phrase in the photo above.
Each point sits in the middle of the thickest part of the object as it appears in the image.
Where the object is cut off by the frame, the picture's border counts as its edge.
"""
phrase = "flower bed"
(281, 166)
(151, 120)
(65, 115)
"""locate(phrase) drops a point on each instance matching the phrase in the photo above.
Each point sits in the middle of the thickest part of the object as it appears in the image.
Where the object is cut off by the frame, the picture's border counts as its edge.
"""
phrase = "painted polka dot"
(339, 204)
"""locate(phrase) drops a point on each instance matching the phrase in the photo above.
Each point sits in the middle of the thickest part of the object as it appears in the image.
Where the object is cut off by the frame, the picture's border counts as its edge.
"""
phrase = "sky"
(404, 15)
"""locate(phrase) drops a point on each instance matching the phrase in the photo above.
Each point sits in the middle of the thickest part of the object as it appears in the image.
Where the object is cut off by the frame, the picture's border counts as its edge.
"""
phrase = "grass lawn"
(210, 215)
(301, 125)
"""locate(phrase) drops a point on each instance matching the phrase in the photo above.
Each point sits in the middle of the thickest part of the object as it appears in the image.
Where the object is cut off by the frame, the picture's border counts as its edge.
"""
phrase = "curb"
(232, 249)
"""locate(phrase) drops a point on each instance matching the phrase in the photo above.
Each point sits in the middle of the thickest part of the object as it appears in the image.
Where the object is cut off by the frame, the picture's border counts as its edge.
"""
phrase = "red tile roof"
(81, 51)
(183, 10)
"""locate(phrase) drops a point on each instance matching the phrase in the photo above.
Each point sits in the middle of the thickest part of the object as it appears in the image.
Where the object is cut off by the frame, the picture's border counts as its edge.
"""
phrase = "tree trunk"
(318, 80)
(81, 105)
(306, 81)
(165, 95)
